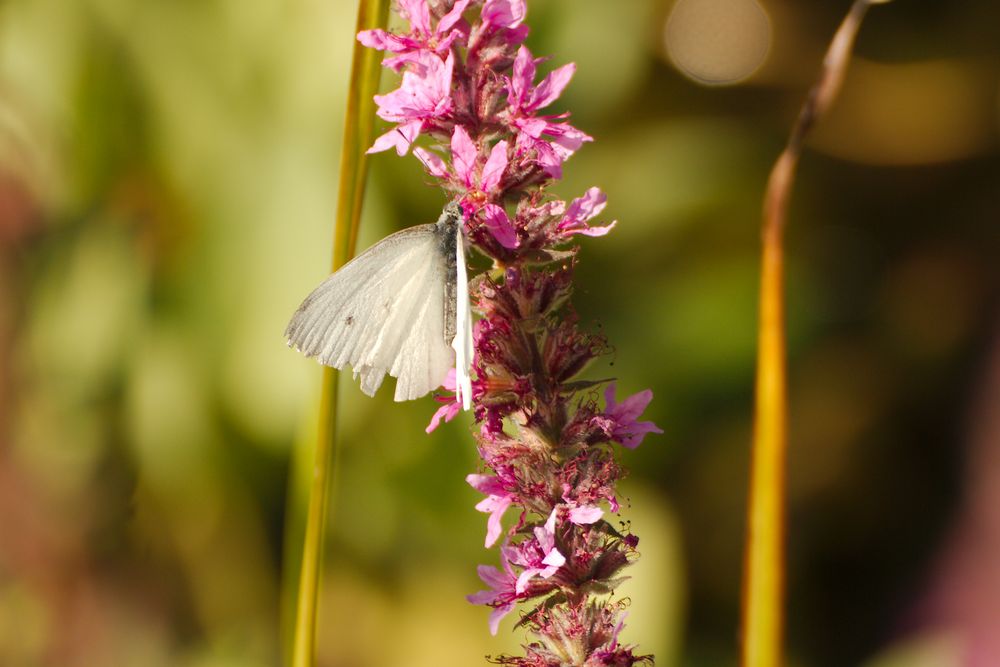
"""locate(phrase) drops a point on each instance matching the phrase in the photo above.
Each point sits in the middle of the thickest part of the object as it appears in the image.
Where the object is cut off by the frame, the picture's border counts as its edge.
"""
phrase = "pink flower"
(451, 405)
(497, 500)
(502, 595)
(523, 96)
(580, 211)
(539, 557)
(626, 429)
(553, 142)
(421, 37)
(504, 13)
(424, 95)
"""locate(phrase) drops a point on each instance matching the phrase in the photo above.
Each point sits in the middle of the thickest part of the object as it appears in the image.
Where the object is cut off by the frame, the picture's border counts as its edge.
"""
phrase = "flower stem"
(358, 124)
(764, 566)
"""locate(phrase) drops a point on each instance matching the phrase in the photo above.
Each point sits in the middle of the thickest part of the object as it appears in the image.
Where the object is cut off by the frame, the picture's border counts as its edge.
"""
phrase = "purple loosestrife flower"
(468, 94)
(423, 98)
(525, 100)
(421, 37)
(627, 429)
(502, 595)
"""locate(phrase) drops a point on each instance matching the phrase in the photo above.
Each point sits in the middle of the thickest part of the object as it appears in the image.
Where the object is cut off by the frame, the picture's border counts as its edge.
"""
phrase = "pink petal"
(583, 209)
(551, 87)
(496, 220)
(452, 17)
(494, 526)
(494, 167)
(444, 44)
(492, 577)
(434, 164)
(617, 631)
(442, 77)
(632, 407)
(418, 14)
(637, 431)
(533, 127)
(522, 78)
(585, 514)
(609, 397)
(449, 378)
(481, 597)
(596, 231)
(522, 581)
(446, 412)
(498, 614)
(550, 523)
(504, 13)
(463, 155)
(566, 138)
(385, 41)
(496, 506)
(586, 207)
(555, 560)
(488, 484)
(545, 156)
(399, 138)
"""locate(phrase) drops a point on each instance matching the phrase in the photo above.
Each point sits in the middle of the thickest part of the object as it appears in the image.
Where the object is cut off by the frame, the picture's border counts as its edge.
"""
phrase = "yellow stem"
(764, 557)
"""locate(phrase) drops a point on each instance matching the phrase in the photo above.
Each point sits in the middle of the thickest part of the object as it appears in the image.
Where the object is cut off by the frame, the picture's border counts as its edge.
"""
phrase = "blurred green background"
(167, 186)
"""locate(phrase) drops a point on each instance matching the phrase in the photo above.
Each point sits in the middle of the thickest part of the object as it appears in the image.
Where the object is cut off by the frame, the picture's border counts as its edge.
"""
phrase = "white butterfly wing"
(383, 312)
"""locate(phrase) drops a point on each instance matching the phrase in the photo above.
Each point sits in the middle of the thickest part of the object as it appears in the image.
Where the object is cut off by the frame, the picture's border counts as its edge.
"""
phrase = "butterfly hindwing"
(383, 312)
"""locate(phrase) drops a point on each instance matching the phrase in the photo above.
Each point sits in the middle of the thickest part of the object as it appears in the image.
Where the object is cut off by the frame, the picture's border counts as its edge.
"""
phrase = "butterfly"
(401, 307)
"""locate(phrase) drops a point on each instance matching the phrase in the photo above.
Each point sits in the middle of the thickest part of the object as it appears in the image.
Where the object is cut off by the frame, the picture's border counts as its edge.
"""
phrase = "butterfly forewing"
(382, 312)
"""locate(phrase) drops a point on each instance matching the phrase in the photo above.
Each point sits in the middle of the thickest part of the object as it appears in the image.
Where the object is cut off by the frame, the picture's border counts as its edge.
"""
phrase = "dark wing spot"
(350, 320)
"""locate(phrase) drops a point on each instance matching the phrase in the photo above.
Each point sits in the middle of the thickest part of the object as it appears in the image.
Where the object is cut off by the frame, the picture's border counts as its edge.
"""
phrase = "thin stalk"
(358, 125)
(764, 559)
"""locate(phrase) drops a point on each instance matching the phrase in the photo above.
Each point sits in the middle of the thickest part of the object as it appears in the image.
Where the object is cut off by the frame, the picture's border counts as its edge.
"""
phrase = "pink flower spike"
(627, 430)
(432, 162)
(585, 515)
(504, 13)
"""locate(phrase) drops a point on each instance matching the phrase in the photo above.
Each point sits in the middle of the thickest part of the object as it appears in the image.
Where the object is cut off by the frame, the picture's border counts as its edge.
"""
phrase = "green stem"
(358, 125)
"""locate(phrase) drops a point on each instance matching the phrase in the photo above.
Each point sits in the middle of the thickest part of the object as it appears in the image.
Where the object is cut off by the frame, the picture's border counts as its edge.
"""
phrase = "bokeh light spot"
(718, 42)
